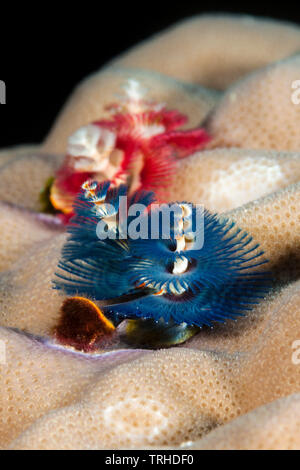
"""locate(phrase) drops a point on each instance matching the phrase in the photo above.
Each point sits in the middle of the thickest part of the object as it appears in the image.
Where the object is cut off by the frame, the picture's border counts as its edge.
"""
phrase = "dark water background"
(46, 49)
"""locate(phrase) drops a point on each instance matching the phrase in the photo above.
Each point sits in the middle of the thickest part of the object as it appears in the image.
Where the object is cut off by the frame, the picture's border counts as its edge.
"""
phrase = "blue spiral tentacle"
(91, 266)
(220, 279)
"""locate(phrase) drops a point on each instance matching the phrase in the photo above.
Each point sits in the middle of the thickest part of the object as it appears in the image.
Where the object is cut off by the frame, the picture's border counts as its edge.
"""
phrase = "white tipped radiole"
(90, 147)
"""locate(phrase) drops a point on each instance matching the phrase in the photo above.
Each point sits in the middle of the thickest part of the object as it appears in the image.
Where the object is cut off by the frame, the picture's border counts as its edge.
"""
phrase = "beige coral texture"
(236, 386)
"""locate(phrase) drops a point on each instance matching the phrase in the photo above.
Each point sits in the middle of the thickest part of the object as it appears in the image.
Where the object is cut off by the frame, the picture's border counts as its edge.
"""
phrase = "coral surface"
(235, 386)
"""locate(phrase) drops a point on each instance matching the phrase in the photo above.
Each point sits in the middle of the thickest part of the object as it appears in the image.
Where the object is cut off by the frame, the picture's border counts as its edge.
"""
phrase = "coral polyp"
(199, 274)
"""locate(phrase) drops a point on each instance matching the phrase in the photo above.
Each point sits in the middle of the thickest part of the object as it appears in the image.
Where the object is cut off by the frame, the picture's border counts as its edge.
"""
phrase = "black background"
(47, 49)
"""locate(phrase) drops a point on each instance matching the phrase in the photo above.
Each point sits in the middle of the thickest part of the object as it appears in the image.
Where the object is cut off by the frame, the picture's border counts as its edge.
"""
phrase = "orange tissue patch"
(83, 326)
